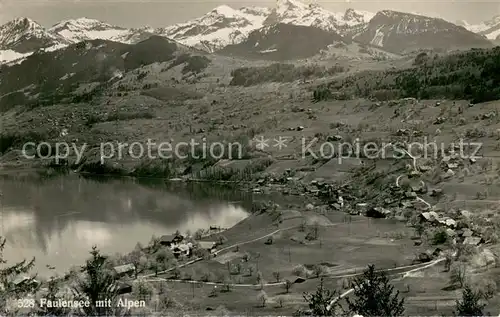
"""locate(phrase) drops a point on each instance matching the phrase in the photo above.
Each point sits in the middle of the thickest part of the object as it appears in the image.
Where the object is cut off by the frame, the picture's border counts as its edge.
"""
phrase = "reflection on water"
(59, 220)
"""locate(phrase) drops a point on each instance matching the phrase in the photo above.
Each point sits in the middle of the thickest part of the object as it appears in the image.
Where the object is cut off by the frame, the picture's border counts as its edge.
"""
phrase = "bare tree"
(458, 275)
(288, 284)
(315, 230)
(302, 226)
(259, 277)
(139, 260)
(281, 301)
(318, 271)
(262, 297)
(277, 276)
(448, 261)
(250, 270)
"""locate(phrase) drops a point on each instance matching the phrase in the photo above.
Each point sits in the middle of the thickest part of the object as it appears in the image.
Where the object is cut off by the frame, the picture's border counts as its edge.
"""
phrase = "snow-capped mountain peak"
(283, 7)
(24, 35)
(220, 27)
(489, 28)
(80, 23)
(352, 16)
(225, 10)
(82, 29)
(299, 13)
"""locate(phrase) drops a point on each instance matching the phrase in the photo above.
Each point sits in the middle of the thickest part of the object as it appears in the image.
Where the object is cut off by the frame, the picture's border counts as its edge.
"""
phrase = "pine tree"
(53, 288)
(9, 290)
(98, 284)
(321, 302)
(374, 296)
(470, 304)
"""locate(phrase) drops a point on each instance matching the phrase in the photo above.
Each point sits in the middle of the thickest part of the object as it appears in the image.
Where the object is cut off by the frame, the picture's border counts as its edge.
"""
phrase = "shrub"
(439, 237)
(321, 93)
(278, 72)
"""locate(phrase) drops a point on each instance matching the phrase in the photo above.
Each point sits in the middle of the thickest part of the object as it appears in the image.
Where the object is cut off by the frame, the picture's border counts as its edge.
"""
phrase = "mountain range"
(230, 31)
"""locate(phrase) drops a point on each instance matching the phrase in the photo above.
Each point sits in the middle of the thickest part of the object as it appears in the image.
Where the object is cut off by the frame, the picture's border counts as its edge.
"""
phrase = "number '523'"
(25, 303)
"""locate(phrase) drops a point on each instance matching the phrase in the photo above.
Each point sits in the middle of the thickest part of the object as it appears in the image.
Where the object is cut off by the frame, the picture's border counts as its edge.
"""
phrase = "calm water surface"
(58, 220)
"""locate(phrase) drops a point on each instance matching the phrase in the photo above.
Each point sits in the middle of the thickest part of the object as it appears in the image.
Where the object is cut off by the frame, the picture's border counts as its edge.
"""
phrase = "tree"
(176, 273)
(97, 284)
(288, 284)
(277, 276)
(262, 297)
(52, 295)
(154, 266)
(250, 270)
(165, 259)
(448, 261)
(8, 274)
(322, 302)
(138, 259)
(198, 234)
(315, 230)
(221, 239)
(259, 277)
(374, 296)
(154, 243)
(142, 290)
(458, 275)
(318, 271)
(281, 301)
(488, 289)
(420, 59)
(419, 229)
(470, 304)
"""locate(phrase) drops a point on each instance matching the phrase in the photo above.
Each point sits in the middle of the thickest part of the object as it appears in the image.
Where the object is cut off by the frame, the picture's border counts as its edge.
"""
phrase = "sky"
(161, 13)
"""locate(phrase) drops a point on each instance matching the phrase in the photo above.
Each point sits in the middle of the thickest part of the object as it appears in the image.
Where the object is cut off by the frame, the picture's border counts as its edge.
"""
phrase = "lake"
(58, 220)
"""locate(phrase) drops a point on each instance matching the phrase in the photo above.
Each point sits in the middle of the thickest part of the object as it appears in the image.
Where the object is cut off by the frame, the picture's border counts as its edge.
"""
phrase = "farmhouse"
(182, 249)
(171, 240)
(208, 245)
(124, 270)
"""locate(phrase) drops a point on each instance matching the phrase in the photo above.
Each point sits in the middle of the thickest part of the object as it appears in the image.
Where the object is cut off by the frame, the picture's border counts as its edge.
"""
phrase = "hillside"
(400, 32)
(281, 42)
(47, 78)
(472, 75)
